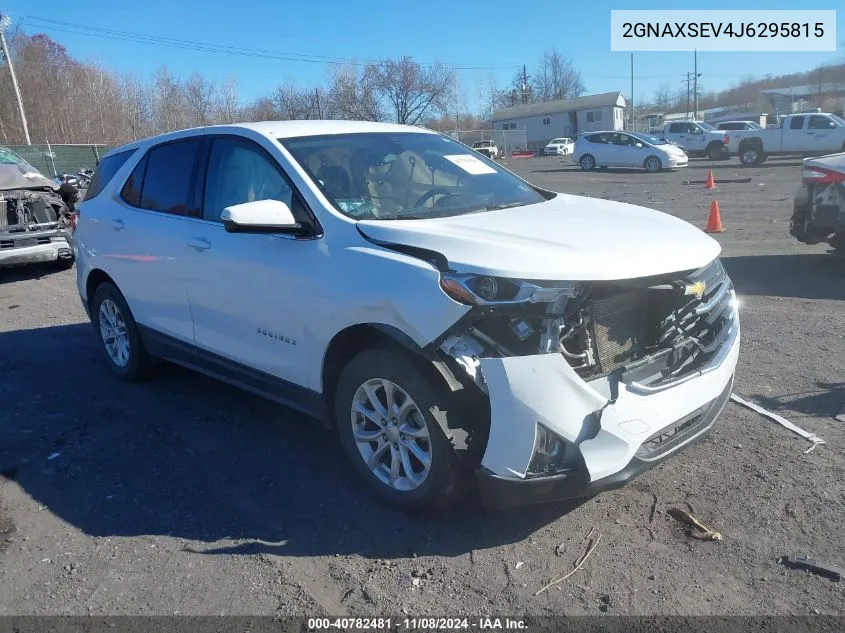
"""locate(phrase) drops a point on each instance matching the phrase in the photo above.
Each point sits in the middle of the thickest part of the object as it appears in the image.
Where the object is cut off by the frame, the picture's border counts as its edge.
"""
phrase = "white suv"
(454, 323)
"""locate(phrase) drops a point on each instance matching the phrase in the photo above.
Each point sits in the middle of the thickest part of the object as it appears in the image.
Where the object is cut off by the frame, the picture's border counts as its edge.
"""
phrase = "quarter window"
(106, 170)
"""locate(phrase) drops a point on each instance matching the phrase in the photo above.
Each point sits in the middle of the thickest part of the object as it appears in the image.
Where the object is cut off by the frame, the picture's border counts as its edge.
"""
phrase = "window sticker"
(470, 164)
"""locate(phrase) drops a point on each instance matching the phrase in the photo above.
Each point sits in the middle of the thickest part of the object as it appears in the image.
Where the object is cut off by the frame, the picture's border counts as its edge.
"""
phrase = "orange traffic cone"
(714, 222)
(711, 184)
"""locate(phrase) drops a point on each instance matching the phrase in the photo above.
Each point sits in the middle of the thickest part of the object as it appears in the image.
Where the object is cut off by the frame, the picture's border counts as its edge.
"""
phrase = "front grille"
(665, 318)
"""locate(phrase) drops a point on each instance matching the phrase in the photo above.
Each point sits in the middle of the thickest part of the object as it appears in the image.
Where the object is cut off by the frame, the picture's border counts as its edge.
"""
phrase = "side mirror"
(260, 216)
(640, 145)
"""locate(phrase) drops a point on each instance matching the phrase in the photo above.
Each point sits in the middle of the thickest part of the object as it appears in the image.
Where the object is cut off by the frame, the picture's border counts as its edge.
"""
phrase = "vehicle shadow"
(810, 276)
(28, 272)
(825, 401)
(185, 456)
(735, 164)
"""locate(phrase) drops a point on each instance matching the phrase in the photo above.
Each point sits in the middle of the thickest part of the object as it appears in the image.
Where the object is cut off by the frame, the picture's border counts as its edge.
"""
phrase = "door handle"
(117, 224)
(199, 244)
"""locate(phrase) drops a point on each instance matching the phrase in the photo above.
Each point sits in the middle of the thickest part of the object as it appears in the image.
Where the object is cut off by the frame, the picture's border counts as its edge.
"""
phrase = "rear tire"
(587, 162)
(120, 338)
(837, 242)
(409, 435)
(751, 155)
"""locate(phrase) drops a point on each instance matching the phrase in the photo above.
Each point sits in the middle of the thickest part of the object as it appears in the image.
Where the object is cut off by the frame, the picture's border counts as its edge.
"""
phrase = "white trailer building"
(563, 117)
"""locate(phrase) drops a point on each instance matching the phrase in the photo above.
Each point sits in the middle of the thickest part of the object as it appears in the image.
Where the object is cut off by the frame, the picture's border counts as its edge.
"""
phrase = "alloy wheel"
(391, 434)
(114, 334)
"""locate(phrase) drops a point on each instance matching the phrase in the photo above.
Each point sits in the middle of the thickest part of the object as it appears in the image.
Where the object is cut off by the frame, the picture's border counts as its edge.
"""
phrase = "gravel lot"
(186, 496)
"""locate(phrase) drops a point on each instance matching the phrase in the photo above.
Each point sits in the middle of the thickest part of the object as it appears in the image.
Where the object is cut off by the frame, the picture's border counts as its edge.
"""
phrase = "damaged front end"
(36, 225)
(569, 367)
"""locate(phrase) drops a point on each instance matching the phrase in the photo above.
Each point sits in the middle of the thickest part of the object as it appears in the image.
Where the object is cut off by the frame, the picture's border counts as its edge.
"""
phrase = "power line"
(157, 40)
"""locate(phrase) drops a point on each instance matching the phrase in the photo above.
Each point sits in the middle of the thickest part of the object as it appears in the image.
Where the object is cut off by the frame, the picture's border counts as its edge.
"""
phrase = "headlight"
(487, 290)
(550, 454)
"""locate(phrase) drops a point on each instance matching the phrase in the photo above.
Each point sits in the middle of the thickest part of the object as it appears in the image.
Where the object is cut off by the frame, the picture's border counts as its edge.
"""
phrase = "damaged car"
(36, 215)
(456, 326)
(819, 208)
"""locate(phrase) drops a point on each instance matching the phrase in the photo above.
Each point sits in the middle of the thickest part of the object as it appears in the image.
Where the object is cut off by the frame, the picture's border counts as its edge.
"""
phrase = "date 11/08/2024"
(419, 624)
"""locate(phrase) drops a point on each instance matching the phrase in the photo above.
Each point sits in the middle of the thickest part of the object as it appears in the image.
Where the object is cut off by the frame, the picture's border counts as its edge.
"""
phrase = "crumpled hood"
(572, 238)
(24, 176)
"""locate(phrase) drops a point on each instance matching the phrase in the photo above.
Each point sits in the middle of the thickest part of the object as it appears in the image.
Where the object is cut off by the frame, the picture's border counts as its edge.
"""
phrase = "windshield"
(838, 119)
(406, 175)
(705, 126)
(8, 157)
(650, 139)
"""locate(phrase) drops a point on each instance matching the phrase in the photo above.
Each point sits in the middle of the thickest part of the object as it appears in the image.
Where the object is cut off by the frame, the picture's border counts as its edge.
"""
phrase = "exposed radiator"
(620, 324)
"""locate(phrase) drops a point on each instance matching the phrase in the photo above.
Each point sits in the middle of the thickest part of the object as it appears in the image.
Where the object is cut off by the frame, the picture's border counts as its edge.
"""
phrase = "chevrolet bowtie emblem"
(698, 289)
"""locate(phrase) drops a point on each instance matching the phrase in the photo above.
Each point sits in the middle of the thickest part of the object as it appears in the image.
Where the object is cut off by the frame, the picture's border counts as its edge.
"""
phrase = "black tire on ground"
(447, 480)
(751, 155)
(837, 242)
(652, 164)
(587, 162)
(64, 263)
(714, 151)
(138, 366)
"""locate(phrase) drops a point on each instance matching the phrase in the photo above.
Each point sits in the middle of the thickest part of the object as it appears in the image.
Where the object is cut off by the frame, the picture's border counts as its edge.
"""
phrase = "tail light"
(74, 218)
(726, 139)
(820, 175)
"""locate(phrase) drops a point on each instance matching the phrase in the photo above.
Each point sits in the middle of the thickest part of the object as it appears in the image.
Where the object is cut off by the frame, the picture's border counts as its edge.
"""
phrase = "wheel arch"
(356, 338)
(95, 279)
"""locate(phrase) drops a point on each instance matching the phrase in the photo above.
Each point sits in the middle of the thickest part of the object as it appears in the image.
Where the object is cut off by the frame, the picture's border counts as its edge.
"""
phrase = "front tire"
(390, 417)
(714, 152)
(652, 164)
(587, 162)
(120, 338)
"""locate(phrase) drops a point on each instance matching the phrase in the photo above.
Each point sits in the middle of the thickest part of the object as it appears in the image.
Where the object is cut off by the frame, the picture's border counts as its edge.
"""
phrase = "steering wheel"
(430, 194)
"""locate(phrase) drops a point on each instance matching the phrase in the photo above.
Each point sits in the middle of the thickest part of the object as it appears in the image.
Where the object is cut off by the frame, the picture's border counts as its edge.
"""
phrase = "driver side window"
(239, 171)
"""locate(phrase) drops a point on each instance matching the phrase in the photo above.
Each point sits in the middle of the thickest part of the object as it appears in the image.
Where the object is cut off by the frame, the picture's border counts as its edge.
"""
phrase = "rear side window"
(168, 178)
(796, 123)
(106, 170)
(596, 138)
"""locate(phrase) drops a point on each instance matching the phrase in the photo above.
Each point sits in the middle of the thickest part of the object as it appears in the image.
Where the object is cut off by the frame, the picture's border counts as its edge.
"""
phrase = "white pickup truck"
(807, 134)
(697, 138)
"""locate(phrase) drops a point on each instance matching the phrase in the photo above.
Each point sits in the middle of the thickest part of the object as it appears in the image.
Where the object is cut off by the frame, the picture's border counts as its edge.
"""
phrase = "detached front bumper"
(609, 441)
(34, 247)
(500, 493)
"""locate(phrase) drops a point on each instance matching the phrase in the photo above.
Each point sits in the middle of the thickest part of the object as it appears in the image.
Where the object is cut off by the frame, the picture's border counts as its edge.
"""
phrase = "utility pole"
(689, 78)
(633, 126)
(4, 22)
(695, 85)
(524, 84)
(317, 97)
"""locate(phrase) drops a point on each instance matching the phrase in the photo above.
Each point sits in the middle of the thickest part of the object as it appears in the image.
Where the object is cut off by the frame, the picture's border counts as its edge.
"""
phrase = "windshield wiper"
(503, 205)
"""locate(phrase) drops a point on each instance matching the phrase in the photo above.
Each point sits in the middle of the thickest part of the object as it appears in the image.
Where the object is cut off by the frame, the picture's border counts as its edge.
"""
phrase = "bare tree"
(352, 96)
(556, 78)
(227, 104)
(199, 100)
(410, 91)
(292, 102)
